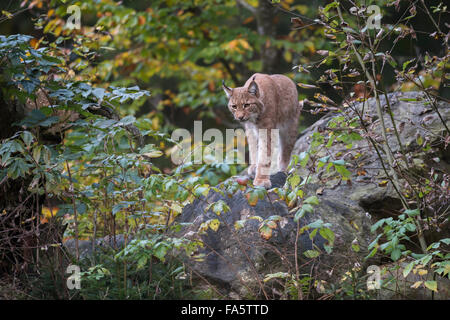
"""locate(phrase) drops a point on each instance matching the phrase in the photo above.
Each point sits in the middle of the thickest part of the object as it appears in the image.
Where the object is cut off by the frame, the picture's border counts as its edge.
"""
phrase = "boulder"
(237, 260)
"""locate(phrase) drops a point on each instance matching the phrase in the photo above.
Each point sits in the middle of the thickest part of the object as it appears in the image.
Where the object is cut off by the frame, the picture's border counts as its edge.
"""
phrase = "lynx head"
(244, 102)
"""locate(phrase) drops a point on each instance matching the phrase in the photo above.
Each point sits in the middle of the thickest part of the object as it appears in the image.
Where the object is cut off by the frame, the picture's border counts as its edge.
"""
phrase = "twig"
(247, 6)
(77, 251)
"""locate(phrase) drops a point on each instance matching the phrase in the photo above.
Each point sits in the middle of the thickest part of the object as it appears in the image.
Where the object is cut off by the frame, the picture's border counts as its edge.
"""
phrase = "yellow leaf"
(239, 45)
(34, 43)
(252, 199)
(7, 14)
(239, 224)
(447, 269)
(257, 218)
(214, 225)
(265, 231)
(416, 284)
(307, 86)
(422, 272)
(288, 56)
(353, 223)
(49, 212)
(383, 183)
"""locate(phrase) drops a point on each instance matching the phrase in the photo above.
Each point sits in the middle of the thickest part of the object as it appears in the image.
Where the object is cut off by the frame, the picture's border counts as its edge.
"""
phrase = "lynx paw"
(262, 183)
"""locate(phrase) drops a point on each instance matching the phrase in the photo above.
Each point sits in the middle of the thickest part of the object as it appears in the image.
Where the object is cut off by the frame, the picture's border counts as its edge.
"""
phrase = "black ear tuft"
(253, 88)
(228, 91)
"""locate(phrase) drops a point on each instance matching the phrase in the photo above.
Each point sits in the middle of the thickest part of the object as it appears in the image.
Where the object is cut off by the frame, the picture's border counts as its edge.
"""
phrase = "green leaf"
(37, 118)
(219, 207)
(328, 248)
(27, 138)
(99, 93)
(372, 253)
(303, 158)
(201, 191)
(343, 171)
(18, 168)
(142, 262)
(160, 250)
(311, 254)
(432, 285)
(37, 153)
(406, 63)
(376, 225)
(408, 269)
(339, 162)
(313, 200)
(313, 234)
(316, 224)
(118, 207)
(308, 208)
(412, 213)
(324, 159)
(374, 242)
(299, 214)
(278, 275)
(327, 234)
(395, 254)
(294, 180)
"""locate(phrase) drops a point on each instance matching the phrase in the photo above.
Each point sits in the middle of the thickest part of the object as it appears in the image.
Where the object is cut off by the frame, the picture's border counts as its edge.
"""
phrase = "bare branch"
(247, 6)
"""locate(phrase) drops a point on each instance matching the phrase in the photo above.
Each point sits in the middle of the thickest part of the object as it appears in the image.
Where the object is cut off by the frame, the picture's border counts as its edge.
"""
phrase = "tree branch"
(247, 6)
(230, 71)
(110, 113)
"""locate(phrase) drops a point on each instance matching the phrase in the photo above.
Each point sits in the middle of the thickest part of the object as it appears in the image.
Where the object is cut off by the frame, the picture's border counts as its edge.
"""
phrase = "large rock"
(238, 260)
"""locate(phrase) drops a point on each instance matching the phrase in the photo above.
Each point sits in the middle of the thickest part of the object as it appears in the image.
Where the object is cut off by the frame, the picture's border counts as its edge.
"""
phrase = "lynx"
(266, 102)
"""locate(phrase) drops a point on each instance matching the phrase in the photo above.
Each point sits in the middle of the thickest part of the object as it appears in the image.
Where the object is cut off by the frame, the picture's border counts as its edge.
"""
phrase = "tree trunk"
(266, 19)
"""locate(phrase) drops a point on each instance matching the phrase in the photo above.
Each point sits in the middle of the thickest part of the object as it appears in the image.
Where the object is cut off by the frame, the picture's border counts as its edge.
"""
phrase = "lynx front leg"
(262, 178)
(287, 138)
(252, 139)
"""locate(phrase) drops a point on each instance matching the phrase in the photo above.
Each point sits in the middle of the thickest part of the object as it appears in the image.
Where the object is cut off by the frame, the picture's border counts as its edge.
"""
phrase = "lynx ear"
(253, 88)
(228, 91)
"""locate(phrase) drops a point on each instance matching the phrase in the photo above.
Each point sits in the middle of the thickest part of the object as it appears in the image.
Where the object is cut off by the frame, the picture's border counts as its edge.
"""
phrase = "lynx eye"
(233, 106)
(246, 105)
